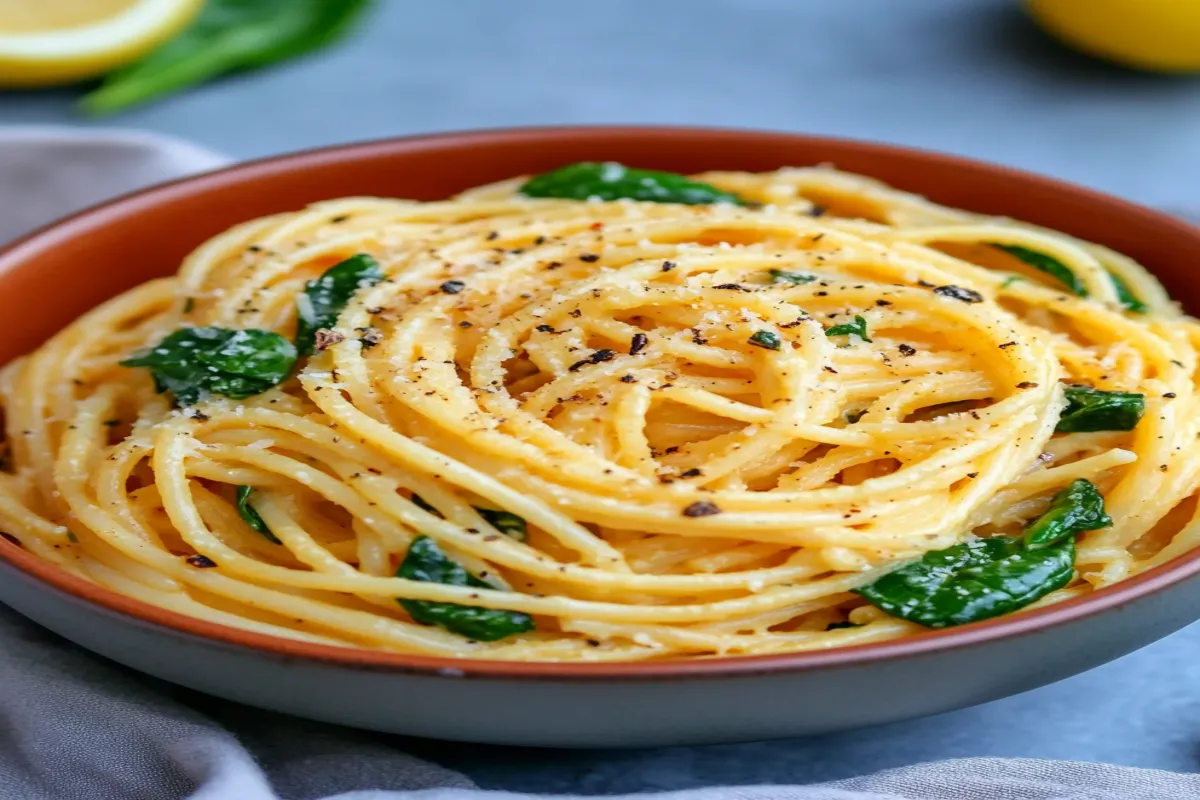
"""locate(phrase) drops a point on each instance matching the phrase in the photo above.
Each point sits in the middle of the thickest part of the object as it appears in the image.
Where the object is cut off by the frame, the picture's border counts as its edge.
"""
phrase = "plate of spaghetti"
(602, 417)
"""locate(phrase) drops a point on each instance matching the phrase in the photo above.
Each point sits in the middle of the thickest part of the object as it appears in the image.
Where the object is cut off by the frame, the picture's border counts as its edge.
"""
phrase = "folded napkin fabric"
(73, 725)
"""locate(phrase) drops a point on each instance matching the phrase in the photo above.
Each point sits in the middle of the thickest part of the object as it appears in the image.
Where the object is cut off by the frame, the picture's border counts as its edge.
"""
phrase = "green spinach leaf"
(984, 578)
(426, 562)
(794, 278)
(194, 363)
(228, 35)
(324, 298)
(768, 340)
(251, 516)
(972, 581)
(1063, 274)
(506, 522)
(1077, 508)
(611, 181)
(1091, 409)
(859, 327)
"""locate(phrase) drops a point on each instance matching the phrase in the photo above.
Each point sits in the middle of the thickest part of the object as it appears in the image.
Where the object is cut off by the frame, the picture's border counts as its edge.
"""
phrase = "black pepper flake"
(882, 303)
(694, 472)
(830, 369)
(926, 284)
(493, 236)
(667, 266)
(1007, 345)
(201, 562)
(698, 338)
(590, 258)
(370, 337)
(196, 414)
(1162, 467)
(822, 294)
(544, 328)
(464, 324)
(1027, 385)
(959, 293)
(325, 338)
(1177, 363)
(576, 314)
(638, 343)
(339, 218)
(189, 305)
(672, 449)
(111, 423)
(817, 211)
(554, 265)
(595, 358)
(540, 240)
(907, 350)
(592, 643)
(452, 287)
(254, 248)
(628, 379)
(736, 287)
(1170, 395)
(702, 508)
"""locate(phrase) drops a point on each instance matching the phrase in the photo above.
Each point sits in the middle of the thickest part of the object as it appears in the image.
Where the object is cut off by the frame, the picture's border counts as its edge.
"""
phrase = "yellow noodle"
(828, 461)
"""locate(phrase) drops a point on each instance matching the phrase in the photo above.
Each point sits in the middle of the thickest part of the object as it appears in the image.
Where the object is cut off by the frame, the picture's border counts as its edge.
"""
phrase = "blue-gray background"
(966, 76)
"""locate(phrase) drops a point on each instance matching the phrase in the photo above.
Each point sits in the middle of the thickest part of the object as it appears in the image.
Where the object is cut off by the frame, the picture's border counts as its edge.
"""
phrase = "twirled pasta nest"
(617, 430)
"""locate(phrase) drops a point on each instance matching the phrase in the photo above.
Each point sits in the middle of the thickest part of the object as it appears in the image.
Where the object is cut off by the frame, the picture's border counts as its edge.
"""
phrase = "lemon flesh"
(52, 42)
(1156, 35)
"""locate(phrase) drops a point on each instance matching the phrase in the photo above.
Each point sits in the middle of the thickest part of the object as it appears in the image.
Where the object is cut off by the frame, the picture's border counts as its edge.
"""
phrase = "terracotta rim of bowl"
(1020, 624)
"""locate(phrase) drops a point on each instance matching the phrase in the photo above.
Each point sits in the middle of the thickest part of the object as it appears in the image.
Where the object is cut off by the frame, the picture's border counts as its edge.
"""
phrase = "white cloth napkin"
(75, 726)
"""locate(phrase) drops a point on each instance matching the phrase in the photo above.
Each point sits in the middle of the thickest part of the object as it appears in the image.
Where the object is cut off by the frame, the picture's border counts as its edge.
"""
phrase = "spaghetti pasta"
(547, 428)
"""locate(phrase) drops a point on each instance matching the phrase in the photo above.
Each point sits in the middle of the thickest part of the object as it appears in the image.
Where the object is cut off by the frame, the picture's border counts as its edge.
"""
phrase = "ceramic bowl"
(55, 274)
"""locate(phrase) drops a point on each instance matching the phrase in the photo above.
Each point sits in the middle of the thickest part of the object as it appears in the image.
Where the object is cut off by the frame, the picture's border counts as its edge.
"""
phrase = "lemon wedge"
(1155, 35)
(52, 42)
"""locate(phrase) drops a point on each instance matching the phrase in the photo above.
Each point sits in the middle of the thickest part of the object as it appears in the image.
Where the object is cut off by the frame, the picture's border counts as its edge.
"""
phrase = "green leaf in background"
(228, 35)
(1063, 274)
(612, 181)
(426, 562)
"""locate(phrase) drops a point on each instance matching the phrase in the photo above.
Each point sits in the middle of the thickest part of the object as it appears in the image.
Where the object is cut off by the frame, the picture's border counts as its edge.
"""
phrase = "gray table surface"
(965, 76)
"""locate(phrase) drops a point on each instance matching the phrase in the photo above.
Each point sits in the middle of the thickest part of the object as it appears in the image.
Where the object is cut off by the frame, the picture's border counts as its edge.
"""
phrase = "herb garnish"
(768, 340)
(251, 516)
(506, 522)
(612, 181)
(1091, 409)
(794, 278)
(194, 363)
(324, 298)
(1063, 274)
(426, 562)
(858, 328)
(1078, 508)
(985, 578)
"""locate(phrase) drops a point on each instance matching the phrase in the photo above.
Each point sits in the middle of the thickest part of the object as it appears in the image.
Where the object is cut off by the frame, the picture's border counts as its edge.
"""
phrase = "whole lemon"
(1157, 35)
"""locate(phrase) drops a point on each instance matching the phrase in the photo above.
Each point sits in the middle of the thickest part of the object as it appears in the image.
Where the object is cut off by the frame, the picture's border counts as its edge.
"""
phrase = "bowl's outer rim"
(1110, 598)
